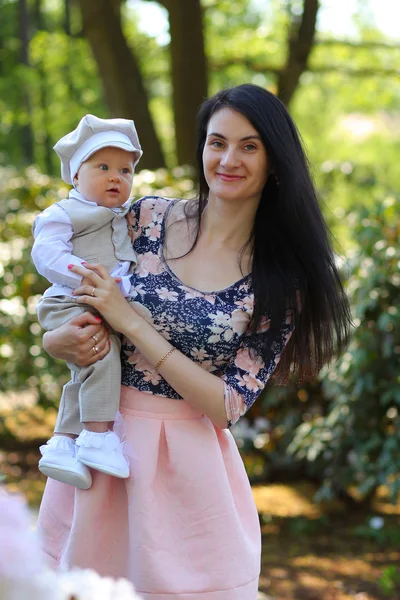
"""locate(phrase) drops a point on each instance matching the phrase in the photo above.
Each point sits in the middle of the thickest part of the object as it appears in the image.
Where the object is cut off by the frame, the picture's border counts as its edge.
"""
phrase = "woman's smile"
(226, 177)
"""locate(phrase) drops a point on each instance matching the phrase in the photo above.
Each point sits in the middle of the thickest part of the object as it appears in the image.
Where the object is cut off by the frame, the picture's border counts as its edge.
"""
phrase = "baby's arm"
(52, 247)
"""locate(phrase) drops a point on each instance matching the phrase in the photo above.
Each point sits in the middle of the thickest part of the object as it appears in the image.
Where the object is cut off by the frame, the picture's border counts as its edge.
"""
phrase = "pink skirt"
(184, 525)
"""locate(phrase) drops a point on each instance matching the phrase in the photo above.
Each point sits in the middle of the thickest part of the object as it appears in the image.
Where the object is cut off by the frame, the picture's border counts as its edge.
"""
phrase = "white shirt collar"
(77, 196)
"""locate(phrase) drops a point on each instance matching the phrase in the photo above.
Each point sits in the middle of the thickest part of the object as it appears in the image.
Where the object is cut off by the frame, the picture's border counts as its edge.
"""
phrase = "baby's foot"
(59, 461)
(103, 452)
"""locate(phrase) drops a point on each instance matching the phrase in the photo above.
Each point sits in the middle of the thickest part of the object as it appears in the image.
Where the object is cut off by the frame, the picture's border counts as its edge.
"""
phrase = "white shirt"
(52, 250)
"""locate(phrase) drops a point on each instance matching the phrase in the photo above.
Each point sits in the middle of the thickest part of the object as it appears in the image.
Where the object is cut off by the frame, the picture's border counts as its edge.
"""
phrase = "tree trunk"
(122, 81)
(44, 96)
(26, 128)
(189, 72)
(301, 39)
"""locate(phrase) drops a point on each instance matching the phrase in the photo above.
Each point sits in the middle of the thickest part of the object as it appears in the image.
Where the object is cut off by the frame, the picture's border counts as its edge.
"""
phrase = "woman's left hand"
(101, 291)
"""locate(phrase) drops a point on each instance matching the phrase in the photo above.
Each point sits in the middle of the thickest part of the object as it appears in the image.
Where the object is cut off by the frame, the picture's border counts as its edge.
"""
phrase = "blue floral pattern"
(209, 328)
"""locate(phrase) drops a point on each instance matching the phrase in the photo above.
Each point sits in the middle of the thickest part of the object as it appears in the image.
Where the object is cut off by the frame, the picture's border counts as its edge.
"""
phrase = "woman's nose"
(230, 159)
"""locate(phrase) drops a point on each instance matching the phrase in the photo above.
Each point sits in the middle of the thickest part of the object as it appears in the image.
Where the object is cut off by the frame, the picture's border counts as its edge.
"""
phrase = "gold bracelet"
(160, 362)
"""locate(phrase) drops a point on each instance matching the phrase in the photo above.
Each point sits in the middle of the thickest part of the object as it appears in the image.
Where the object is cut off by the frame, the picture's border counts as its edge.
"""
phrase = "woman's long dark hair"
(293, 265)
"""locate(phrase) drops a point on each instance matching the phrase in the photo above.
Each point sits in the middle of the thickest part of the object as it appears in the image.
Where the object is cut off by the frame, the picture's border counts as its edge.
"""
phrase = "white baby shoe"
(103, 452)
(59, 461)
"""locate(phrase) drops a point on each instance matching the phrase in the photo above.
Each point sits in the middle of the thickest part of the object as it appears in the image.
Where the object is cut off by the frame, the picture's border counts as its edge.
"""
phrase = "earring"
(274, 178)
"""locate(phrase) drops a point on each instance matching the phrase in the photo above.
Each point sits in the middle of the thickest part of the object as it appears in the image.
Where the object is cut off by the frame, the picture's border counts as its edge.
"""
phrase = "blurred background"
(323, 457)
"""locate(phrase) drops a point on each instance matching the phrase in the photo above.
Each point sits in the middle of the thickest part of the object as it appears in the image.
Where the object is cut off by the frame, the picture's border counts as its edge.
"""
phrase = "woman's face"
(235, 161)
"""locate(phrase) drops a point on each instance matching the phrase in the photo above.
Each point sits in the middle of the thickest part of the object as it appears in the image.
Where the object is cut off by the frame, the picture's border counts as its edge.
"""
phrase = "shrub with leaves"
(355, 445)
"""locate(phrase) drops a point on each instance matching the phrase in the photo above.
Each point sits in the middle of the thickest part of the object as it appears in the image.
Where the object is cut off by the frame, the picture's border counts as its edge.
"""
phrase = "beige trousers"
(93, 392)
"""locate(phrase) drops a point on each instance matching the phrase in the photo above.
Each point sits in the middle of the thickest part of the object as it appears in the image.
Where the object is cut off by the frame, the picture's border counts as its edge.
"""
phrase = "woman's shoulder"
(152, 203)
(147, 215)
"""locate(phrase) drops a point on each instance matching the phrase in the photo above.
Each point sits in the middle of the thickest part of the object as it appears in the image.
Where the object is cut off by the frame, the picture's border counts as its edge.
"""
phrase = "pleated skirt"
(184, 525)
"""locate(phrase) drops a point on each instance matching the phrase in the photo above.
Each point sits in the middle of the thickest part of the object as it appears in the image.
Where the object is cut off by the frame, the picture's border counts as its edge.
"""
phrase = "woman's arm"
(201, 389)
(75, 340)
(212, 395)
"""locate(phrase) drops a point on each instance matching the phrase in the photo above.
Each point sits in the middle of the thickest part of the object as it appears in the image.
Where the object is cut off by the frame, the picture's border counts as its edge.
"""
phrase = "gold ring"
(93, 291)
(96, 340)
(95, 350)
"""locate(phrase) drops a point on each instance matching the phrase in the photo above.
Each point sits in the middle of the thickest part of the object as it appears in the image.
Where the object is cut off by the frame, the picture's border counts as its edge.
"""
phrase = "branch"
(265, 68)
(356, 45)
(301, 39)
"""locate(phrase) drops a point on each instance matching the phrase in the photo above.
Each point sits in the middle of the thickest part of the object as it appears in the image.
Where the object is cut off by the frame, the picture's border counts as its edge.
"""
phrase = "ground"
(326, 553)
(310, 552)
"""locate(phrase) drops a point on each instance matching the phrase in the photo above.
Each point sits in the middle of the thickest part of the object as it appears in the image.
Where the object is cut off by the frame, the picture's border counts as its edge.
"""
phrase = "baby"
(98, 158)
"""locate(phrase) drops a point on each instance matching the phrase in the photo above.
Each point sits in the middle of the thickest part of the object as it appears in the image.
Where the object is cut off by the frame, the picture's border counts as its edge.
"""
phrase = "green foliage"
(389, 582)
(355, 444)
(22, 195)
(24, 364)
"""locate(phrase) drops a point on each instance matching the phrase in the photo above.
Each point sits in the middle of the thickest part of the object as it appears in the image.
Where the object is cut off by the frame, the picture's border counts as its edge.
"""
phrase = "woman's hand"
(104, 295)
(75, 341)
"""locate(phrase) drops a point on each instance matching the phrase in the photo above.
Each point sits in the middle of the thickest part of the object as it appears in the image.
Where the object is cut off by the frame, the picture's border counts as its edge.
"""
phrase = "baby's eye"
(104, 167)
(125, 170)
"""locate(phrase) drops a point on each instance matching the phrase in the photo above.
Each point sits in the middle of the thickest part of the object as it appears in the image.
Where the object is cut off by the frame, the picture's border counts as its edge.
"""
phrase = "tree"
(26, 131)
(188, 72)
(300, 42)
(120, 73)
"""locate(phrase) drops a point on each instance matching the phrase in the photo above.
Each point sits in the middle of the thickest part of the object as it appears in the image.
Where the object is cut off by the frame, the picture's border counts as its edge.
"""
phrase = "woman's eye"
(104, 167)
(217, 144)
(250, 147)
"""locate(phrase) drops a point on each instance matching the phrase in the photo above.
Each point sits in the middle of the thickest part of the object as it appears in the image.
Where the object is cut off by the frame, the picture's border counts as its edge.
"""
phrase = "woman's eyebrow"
(243, 139)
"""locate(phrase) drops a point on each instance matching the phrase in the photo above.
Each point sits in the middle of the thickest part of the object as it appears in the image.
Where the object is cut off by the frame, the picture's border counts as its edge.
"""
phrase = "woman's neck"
(227, 224)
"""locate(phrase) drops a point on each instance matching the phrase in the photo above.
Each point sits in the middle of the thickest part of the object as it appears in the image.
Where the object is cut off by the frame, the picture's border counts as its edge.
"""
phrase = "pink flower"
(152, 376)
(160, 206)
(247, 303)
(131, 223)
(244, 361)
(220, 318)
(166, 294)
(153, 231)
(207, 365)
(189, 293)
(220, 361)
(234, 404)
(239, 321)
(199, 354)
(252, 383)
(240, 380)
(148, 263)
(147, 214)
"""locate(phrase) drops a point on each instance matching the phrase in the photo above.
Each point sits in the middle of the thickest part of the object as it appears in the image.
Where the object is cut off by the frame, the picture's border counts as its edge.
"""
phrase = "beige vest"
(100, 235)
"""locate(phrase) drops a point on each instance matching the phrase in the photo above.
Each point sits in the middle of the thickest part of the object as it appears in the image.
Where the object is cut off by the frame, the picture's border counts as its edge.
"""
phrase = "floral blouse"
(208, 327)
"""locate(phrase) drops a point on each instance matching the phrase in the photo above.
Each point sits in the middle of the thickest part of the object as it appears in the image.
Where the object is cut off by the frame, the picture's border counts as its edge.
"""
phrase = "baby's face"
(106, 177)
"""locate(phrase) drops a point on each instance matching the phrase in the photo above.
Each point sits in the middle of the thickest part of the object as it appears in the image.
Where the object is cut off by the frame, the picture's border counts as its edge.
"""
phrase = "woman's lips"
(225, 177)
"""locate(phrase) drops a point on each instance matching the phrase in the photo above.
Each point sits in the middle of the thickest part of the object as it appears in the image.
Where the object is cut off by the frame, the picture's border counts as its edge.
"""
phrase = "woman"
(230, 288)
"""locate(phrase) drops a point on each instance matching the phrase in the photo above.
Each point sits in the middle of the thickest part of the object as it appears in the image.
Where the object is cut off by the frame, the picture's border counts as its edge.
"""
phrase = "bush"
(355, 445)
